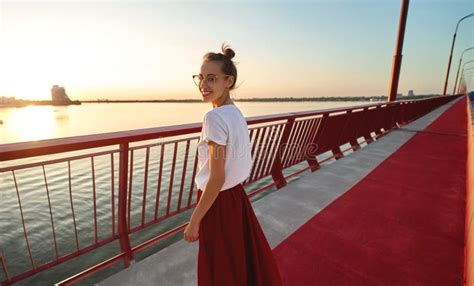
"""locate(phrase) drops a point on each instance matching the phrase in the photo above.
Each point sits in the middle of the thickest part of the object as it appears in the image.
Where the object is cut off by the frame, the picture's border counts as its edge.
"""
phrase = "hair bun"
(228, 52)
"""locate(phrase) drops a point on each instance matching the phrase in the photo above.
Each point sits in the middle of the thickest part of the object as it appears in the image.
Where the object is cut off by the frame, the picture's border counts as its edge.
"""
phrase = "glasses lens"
(197, 80)
(211, 79)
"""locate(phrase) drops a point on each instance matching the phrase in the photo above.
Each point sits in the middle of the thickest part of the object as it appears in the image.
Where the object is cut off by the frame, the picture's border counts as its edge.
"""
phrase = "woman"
(233, 249)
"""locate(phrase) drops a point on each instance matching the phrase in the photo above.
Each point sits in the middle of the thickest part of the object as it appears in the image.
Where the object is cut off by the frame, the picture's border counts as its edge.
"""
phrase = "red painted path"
(403, 224)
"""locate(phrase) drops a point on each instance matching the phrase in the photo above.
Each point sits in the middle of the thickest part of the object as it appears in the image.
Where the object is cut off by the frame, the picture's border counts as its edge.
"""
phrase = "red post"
(451, 53)
(122, 206)
(313, 161)
(5, 271)
(457, 76)
(459, 68)
(277, 167)
(449, 65)
(397, 59)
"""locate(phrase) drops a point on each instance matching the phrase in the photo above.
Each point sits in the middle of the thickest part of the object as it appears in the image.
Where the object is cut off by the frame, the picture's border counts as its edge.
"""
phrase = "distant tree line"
(275, 99)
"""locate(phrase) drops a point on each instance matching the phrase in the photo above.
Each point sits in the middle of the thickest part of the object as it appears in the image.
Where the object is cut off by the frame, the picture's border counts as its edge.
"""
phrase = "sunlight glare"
(32, 123)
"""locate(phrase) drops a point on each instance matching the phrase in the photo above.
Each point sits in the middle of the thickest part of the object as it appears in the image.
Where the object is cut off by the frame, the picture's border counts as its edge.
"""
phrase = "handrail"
(27, 149)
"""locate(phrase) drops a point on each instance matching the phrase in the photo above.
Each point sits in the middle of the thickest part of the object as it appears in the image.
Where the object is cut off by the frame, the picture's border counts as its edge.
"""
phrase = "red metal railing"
(279, 143)
(469, 223)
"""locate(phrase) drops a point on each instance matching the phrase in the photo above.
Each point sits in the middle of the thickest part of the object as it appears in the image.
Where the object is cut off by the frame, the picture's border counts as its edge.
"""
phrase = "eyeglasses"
(210, 79)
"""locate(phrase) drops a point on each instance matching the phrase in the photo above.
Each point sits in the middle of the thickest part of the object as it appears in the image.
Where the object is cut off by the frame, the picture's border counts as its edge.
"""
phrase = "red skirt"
(233, 249)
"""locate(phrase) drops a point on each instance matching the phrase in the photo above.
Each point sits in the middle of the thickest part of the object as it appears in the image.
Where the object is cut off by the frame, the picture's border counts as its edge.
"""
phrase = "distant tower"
(58, 95)
(410, 93)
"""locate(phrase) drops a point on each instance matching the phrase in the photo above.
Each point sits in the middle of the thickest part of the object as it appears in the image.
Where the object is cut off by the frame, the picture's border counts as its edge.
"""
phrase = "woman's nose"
(203, 84)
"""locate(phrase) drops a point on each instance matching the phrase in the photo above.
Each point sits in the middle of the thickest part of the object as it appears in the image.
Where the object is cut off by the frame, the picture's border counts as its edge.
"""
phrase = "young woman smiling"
(233, 249)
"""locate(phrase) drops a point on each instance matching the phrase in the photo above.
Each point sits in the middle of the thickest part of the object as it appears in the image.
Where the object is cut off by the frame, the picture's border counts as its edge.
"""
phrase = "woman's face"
(215, 83)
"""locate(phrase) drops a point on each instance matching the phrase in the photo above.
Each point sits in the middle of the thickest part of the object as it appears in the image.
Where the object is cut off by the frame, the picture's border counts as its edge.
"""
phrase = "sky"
(150, 49)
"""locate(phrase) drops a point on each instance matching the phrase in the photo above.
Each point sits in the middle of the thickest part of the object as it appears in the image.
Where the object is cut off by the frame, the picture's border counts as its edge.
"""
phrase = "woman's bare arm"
(214, 184)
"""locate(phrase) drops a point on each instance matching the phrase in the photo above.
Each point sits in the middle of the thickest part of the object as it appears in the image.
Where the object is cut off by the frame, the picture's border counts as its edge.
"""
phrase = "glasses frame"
(203, 79)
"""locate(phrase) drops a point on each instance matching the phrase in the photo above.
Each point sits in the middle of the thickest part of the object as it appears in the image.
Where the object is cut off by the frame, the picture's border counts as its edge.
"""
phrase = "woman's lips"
(206, 93)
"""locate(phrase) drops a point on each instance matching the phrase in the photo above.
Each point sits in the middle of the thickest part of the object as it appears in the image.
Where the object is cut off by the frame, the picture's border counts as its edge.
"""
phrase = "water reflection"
(47, 122)
(29, 123)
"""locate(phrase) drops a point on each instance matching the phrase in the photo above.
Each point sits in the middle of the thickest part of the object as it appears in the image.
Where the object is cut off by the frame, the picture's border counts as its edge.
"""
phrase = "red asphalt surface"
(403, 224)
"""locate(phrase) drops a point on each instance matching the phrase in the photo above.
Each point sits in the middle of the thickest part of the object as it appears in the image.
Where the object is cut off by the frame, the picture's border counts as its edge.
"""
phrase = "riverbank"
(24, 103)
(270, 99)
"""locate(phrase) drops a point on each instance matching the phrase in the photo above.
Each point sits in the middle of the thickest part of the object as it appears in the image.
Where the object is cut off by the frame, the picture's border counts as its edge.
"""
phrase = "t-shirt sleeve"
(214, 129)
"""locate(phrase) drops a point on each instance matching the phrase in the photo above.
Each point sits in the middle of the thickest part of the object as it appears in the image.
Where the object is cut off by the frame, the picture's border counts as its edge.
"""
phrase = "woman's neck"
(223, 100)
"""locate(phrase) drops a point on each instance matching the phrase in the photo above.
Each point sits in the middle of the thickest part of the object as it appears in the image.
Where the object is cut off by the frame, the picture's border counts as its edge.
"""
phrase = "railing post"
(7, 282)
(402, 107)
(367, 136)
(377, 131)
(313, 161)
(354, 143)
(277, 168)
(122, 206)
(337, 152)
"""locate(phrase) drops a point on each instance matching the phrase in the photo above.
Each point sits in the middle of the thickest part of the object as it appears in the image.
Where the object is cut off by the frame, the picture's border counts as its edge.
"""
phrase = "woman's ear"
(232, 78)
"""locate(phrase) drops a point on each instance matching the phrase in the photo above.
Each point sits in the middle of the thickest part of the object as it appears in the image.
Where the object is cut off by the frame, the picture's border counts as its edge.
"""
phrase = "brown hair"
(228, 66)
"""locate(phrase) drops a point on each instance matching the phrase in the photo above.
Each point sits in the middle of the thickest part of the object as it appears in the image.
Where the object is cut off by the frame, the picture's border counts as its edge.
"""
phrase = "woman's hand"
(191, 232)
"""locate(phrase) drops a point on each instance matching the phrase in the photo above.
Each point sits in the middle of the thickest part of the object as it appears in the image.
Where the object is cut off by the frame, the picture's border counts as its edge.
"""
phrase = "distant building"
(411, 93)
(399, 94)
(58, 94)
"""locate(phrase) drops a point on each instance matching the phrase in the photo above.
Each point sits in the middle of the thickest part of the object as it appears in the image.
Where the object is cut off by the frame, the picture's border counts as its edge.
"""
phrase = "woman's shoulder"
(212, 114)
(231, 115)
(225, 109)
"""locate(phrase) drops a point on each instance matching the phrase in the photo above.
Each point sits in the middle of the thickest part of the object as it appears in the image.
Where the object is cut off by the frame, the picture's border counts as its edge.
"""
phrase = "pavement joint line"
(430, 132)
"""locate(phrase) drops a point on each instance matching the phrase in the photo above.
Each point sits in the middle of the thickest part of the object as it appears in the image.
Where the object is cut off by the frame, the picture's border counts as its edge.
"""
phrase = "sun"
(29, 80)
(29, 71)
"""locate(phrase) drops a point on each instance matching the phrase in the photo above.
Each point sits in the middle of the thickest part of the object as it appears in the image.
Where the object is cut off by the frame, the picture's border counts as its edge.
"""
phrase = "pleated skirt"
(233, 249)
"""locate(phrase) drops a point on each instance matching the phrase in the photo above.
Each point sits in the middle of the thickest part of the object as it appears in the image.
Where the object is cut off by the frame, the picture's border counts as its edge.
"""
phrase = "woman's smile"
(206, 92)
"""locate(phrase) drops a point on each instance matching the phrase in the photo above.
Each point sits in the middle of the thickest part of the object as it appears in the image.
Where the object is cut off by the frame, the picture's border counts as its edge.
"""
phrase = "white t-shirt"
(225, 125)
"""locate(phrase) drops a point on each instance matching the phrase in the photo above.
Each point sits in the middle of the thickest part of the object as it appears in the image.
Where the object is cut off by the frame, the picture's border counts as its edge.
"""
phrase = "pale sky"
(150, 49)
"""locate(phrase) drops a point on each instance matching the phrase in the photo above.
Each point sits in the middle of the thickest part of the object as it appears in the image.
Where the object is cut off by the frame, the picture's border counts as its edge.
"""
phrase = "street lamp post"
(468, 62)
(397, 58)
(459, 68)
(465, 64)
(463, 74)
(462, 80)
(467, 73)
(451, 54)
(463, 83)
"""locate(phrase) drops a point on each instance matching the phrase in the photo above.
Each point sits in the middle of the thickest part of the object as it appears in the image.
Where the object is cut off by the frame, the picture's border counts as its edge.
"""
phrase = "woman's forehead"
(209, 67)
